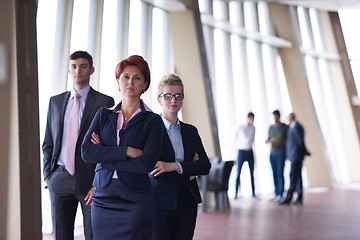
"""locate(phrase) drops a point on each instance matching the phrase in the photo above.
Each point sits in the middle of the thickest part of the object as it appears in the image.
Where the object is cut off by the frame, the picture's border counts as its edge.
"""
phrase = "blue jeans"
(277, 161)
(245, 155)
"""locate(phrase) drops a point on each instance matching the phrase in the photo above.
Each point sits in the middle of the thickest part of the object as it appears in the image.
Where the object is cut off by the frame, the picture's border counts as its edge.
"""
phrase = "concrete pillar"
(20, 214)
(10, 221)
(189, 64)
(316, 166)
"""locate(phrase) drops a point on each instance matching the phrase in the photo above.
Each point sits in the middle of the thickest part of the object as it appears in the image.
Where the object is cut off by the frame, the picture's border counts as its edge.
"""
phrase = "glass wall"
(122, 28)
(247, 76)
(349, 19)
(245, 68)
(321, 83)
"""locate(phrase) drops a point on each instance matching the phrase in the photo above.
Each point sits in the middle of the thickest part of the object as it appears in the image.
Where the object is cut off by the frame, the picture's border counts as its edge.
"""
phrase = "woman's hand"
(133, 152)
(196, 157)
(162, 167)
(95, 139)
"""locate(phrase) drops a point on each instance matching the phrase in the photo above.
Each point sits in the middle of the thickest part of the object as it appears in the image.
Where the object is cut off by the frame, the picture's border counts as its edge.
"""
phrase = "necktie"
(72, 135)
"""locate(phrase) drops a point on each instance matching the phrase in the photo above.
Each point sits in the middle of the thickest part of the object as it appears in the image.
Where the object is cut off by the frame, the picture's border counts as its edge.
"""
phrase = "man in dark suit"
(296, 151)
(68, 177)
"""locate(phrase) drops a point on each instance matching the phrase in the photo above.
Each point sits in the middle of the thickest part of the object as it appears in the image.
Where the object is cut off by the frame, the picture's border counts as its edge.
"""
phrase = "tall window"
(123, 31)
(323, 93)
(349, 19)
(248, 77)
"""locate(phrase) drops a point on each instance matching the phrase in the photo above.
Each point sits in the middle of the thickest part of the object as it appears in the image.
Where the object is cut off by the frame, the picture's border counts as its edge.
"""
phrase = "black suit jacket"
(295, 147)
(84, 173)
(165, 186)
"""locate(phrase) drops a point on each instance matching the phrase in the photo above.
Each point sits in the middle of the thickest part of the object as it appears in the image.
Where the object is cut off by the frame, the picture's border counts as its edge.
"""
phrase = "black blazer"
(143, 131)
(295, 147)
(165, 186)
(54, 131)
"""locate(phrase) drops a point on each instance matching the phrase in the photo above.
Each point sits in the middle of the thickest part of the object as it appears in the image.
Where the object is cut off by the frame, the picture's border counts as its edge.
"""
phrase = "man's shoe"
(255, 197)
(298, 202)
(285, 201)
(276, 198)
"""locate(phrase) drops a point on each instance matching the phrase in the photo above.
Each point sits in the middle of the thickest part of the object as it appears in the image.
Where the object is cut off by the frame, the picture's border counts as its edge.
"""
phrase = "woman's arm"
(202, 165)
(150, 153)
(130, 151)
(96, 153)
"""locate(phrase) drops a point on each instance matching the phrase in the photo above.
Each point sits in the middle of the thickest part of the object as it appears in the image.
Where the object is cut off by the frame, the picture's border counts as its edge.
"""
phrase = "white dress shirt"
(174, 133)
(245, 135)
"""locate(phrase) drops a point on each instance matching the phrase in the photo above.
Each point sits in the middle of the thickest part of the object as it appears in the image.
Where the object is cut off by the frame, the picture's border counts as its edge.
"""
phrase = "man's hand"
(162, 167)
(88, 197)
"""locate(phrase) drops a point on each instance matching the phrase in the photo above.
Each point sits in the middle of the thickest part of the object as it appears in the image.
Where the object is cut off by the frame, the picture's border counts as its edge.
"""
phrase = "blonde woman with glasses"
(175, 189)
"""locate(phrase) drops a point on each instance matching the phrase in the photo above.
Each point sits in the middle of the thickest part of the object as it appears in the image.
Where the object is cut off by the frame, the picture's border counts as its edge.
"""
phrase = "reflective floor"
(325, 214)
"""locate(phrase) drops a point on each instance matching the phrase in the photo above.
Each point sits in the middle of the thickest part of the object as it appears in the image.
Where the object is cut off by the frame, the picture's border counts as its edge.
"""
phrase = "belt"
(61, 168)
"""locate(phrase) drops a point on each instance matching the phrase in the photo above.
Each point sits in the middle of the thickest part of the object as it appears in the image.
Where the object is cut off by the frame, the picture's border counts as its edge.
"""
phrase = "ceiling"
(327, 5)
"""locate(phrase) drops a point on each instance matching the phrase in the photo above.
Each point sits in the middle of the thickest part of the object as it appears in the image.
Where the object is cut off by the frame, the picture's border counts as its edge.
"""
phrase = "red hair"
(134, 60)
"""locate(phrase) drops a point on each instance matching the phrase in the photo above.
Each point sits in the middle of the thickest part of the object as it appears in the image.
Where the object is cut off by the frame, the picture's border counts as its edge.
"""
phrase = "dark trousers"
(177, 224)
(277, 161)
(295, 180)
(245, 155)
(64, 204)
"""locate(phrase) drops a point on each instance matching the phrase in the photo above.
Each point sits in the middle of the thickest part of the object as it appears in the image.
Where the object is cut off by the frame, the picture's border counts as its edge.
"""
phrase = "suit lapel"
(113, 117)
(63, 110)
(184, 133)
(135, 119)
(88, 105)
(167, 144)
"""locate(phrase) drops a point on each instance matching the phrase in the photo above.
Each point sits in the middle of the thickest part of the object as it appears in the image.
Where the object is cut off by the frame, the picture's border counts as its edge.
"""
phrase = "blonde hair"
(170, 80)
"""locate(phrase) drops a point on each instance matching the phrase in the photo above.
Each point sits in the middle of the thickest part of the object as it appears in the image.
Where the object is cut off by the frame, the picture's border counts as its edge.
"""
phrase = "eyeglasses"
(169, 96)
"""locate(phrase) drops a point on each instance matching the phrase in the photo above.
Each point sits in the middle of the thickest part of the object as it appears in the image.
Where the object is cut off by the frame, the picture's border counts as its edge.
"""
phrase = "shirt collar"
(169, 124)
(292, 124)
(83, 92)
(116, 108)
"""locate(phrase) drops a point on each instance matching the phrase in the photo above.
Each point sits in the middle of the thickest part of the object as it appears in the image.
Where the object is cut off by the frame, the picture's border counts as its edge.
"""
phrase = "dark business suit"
(176, 197)
(123, 206)
(296, 151)
(57, 180)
